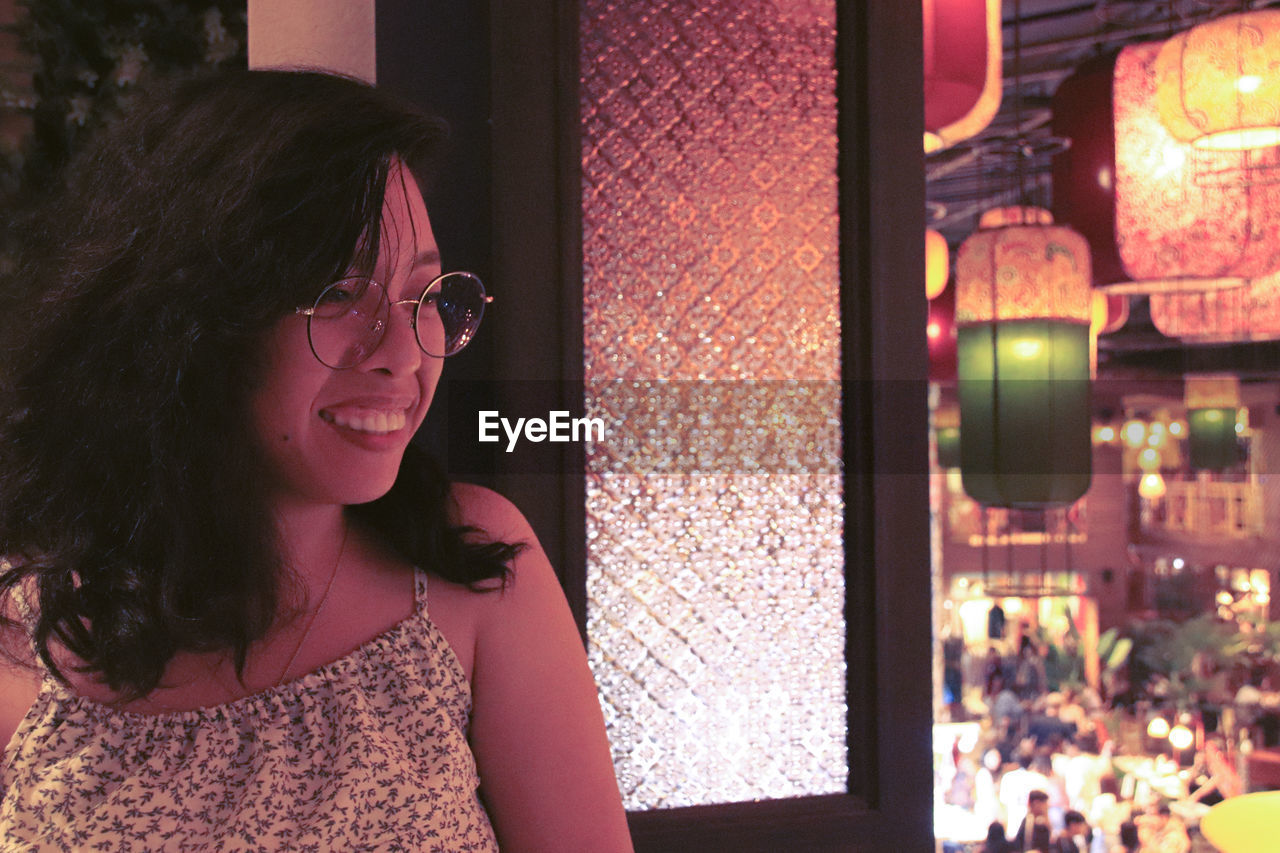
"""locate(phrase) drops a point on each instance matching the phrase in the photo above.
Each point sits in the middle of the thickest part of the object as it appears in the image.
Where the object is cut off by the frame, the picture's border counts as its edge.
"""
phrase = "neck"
(310, 537)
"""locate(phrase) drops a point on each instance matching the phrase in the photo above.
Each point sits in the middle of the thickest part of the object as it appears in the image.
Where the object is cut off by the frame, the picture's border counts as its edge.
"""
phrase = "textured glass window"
(714, 509)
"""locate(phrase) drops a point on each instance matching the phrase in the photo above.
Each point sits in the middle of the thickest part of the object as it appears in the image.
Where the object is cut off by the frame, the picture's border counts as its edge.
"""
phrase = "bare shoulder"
(537, 730)
(489, 512)
(458, 611)
(532, 586)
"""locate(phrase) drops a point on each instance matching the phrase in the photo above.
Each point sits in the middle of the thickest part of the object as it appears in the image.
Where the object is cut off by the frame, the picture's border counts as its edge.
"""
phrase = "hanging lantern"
(1212, 405)
(1022, 327)
(1084, 191)
(937, 263)
(941, 335)
(1249, 313)
(1117, 313)
(1176, 231)
(1216, 84)
(962, 81)
(946, 426)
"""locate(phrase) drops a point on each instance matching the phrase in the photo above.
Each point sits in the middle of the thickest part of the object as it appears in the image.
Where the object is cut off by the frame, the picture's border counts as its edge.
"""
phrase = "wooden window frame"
(533, 187)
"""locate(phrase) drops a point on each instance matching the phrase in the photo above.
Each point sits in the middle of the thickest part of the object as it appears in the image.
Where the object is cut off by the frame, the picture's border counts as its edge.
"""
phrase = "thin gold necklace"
(333, 573)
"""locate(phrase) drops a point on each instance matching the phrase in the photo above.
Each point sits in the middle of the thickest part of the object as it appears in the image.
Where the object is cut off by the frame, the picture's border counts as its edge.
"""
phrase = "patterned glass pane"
(715, 577)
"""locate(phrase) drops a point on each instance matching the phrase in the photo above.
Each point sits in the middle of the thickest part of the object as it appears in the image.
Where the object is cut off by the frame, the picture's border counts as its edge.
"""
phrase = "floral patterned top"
(368, 752)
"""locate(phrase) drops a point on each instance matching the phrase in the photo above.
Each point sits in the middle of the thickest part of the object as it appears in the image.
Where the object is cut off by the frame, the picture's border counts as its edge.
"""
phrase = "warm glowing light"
(1215, 83)
(1156, 433)
(1225, 598)
(1044, 269)
(1187, 221)
(1158, 728)
(1149, 459)
(1098, 311)
(1011, 606)
(1134, 433)
(933, 330)
(1027, 348)
(1181, 737)
(1104, 434)
(1171, 161)
(1177, 428)
(1248, 84)
(1105, 177)
(1152, 486)
(937, 263)
(1248, 823)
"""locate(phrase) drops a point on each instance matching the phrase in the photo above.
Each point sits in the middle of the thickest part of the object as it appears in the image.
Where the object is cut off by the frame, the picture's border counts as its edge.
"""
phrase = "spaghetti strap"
(420, 591)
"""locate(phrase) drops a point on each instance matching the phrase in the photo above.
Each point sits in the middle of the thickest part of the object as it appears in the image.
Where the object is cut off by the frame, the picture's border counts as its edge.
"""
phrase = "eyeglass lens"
(349, 319)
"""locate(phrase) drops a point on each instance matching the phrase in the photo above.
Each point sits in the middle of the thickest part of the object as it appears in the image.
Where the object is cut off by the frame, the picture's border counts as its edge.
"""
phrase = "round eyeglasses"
(349, 318)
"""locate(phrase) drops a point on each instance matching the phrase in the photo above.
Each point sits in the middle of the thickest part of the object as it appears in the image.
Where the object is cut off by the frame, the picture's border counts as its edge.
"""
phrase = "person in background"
(1129, 842)
(1016, 788)
(244, 612)
(1076, 836)
(996, 842)
(1160, 831)
(1029, 680)
(986, 799)
(1004, 703)
(1034, 832)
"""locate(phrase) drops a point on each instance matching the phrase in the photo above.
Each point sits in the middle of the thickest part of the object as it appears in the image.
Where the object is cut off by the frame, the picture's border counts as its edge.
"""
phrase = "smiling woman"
(220, 542)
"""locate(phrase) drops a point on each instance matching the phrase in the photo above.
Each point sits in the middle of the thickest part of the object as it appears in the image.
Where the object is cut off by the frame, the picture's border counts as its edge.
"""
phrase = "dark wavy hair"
(130, 338)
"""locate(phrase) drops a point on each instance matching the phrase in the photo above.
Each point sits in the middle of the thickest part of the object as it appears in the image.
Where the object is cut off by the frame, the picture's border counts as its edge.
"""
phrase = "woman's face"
(337, 436)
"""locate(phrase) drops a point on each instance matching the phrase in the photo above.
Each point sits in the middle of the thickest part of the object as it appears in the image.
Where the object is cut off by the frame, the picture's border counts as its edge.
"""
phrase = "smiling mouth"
(372, 422)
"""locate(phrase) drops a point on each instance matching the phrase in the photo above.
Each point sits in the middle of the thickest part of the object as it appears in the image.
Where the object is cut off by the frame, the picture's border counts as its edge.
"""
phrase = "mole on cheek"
(284, 438)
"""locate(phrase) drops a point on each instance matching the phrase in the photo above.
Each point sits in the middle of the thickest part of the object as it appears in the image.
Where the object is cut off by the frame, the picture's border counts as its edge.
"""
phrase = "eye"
(342, 297)
(343, 292)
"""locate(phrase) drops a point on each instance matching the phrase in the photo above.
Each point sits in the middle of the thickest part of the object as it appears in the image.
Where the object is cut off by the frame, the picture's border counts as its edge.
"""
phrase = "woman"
(223, 548)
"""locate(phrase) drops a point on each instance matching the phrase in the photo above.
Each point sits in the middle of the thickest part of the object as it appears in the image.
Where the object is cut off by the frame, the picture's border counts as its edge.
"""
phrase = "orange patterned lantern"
(1172, 227)
(1249, 313)
(1217, 86)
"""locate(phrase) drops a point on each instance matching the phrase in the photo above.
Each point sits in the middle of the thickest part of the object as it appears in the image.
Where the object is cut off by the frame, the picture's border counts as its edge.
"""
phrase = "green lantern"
(1022, 316)
(946, 425)
(1213, 403)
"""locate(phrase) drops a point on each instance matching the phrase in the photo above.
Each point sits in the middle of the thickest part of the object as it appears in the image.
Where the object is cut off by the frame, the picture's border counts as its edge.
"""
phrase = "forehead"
(407, 240)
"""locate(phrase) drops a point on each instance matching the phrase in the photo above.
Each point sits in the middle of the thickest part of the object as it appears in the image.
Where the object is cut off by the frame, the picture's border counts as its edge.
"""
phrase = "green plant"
(89, 60)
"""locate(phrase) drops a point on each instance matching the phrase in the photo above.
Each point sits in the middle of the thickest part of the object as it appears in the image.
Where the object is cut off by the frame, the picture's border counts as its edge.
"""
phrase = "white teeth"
(377, 423)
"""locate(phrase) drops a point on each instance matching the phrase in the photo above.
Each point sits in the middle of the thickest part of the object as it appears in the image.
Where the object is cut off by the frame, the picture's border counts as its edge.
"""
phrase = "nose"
(398, 352)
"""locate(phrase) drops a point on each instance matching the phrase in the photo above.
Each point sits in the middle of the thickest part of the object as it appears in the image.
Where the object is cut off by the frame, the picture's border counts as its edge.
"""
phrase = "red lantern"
(962, 79)
(942, 336)
(1084, 190)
